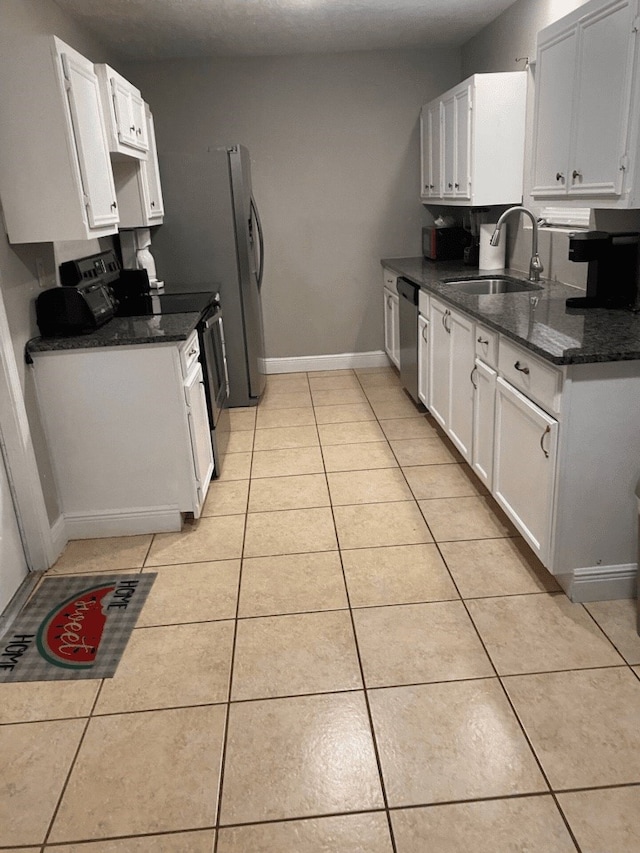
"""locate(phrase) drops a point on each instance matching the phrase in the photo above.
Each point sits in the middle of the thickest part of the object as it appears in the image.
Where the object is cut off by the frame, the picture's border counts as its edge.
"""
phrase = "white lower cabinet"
(423, 359)
(128, 434)
(392, 326)
(525, 465)
(451, 362)
(484, 403)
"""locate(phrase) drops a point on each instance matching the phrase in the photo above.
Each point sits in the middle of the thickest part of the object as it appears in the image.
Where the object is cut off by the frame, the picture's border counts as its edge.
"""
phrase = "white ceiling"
(164, 29)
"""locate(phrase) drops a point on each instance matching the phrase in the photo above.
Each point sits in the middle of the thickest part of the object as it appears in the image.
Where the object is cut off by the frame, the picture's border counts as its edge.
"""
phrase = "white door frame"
(20, 459)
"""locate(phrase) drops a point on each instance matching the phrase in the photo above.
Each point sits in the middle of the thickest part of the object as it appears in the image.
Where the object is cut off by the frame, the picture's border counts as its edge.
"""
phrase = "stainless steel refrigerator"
(211, 239)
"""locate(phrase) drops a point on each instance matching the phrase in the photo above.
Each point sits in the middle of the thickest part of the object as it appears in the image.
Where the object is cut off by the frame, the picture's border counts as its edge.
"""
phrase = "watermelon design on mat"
(70, 634)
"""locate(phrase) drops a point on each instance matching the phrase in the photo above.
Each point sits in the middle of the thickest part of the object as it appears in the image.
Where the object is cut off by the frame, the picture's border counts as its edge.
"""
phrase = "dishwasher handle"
(408, 290)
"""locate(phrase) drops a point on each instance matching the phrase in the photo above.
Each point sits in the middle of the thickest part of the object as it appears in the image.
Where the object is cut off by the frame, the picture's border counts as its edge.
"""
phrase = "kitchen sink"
(483, 286)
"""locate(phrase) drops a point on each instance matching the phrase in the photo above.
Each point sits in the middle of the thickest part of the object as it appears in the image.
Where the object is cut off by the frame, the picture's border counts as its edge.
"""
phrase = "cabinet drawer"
(423, 303)
(189, 353)
(486, 343)
(390, 280)
(540, 381)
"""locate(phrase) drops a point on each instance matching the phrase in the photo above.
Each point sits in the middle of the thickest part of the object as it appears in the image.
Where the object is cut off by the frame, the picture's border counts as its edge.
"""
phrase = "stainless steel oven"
(213, 358)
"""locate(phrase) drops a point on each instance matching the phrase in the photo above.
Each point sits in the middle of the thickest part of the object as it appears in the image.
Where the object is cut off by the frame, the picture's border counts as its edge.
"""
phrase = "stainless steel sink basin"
(484, 286)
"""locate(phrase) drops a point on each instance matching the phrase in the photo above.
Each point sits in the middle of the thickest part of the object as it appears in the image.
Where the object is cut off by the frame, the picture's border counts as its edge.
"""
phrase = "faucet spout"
(535, 264)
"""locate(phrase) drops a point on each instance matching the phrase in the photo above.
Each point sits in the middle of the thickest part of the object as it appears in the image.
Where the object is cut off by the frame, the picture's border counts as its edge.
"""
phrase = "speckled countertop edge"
(124, 331)
(547, 328)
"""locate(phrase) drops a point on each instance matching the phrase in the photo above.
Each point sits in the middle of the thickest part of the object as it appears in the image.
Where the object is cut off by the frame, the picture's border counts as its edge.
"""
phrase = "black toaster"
(62, 311)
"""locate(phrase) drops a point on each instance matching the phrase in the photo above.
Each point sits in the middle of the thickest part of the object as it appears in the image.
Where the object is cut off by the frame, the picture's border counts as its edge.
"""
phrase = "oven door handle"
(212, 319)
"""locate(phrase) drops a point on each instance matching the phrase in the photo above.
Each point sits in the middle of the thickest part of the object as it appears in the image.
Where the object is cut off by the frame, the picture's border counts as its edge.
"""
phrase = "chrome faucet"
(535, 264)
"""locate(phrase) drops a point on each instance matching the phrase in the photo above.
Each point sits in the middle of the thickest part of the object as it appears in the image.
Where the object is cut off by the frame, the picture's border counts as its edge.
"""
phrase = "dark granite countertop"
(550, 329)
(125, 331)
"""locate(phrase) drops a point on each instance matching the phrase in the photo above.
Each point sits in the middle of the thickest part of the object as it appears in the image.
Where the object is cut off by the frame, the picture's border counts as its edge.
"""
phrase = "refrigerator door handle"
(254, 211)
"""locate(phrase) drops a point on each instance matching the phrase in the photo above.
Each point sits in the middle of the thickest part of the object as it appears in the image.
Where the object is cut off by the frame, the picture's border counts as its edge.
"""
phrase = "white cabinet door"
(461, 363)
(200, 434)
(124, 113)
(430, 150)
(151, 174)
(392, 326)
(423, 359)
(439, 350)
(462, 174)
(484, 399)
(89, 136)
(524, 465)
(448, 143)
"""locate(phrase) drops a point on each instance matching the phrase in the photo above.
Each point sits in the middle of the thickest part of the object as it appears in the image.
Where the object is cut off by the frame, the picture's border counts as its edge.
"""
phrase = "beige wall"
(334, 144)
(21, 21)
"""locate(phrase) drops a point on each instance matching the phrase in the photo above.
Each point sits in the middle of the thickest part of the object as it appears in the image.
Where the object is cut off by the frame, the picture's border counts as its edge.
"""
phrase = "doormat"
(73, 627)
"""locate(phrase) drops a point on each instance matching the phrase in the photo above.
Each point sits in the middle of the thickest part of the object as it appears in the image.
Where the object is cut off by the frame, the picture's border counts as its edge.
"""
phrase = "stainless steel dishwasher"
(408, 313)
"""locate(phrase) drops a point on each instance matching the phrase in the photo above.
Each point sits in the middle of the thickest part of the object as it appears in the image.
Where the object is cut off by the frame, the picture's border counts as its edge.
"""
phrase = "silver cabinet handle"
(542, 447)
(132, 128)
(191, 352)
(522, 369)
(576, 174)
(424, 334)
(475, 368)
(559, 176)
(114, 205)
(446, 314)
(389, 301)
(483, 341)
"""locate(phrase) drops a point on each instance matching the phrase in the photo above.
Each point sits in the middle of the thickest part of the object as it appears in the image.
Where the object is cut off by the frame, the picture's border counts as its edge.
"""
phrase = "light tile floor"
(351, 652)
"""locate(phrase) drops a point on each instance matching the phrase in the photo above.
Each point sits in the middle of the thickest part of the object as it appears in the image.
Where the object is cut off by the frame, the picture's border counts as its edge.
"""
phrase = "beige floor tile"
(288, 383)
(487, 567)
(281, 463)
(356, 412)
(618, 619)
(226, 498)
(465, 518)
(191, 592)
(386, 394)
(377, 380)
(36, 758)
(281, 398)
(205, 540)
(365, 487)
(583, 725)
(96, 555)
(538, 633)
(170, 667)
(243, 418)
(372, 525)
(533, 824)
(235, 466)
(425, 451)
(383, 369)
(28, 701)
(273, 418)
(298, 757)
(334, 383)
(400, 574)
(282, 438)
(350, 433)
(415, 643)
(340, 397)
(399, 429)
(296, 531)
(292, 583)
(290, 655)
(443, 481)
(604, 820)
(240, 441)
(396, 409)
(451, 741)
(200, 841)
(358, 457)
(359, 833)
(157, 770)
(297, 492)
(330, 374)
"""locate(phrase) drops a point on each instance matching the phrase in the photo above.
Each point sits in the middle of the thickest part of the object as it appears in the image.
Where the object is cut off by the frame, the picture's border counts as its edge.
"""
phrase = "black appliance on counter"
(613, 276)
(128, 294)
(444, 243)
(408, 314)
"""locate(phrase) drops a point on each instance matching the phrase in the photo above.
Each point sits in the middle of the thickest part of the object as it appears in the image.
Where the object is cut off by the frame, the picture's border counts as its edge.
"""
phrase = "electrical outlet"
(42, 279)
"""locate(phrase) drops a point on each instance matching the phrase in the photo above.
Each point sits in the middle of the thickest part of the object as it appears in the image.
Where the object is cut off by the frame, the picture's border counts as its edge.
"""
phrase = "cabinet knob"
(132, 128)
(576, 174)
(450, 186)
(483, 341)
(431, 186)
(522, 368)
(114, 205)
(559, 176)
(457, 186)
(153, 204)
(139, 131)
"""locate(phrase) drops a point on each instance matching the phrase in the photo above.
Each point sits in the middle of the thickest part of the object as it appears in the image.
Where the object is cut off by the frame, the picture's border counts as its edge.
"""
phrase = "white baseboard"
(600, 583)
(59, 538)
(126, 522)
(338, 361)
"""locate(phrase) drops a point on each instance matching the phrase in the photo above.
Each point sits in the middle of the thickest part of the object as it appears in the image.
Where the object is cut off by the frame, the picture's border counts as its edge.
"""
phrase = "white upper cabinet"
(138, 185)
(473, 142)
(586, 107)
(124, 112)
(56, 181)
